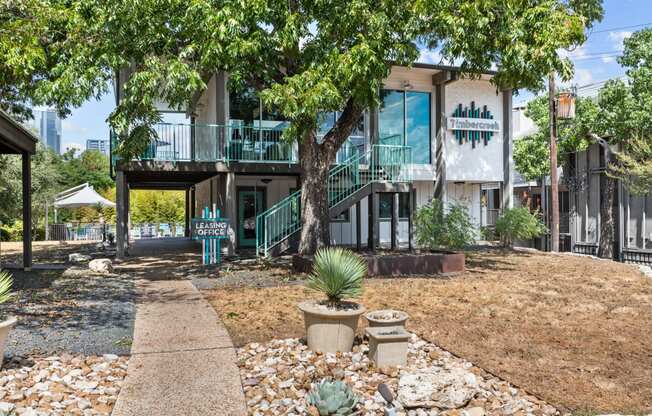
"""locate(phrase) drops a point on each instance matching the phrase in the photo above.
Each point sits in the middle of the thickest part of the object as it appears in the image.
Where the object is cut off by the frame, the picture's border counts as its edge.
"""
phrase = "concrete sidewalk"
(183, 361)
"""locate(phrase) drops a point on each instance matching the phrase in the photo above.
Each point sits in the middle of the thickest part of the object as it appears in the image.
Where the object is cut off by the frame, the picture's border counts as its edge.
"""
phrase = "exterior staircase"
(277, 228)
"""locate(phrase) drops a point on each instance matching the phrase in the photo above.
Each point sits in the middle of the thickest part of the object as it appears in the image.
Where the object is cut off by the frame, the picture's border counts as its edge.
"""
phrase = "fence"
(80, 231)
(148, 231)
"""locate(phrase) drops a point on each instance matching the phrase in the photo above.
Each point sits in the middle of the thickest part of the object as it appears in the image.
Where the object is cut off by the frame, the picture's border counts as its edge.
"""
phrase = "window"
(343, 217)
(355, 144)
(385, 205)
(404, 119)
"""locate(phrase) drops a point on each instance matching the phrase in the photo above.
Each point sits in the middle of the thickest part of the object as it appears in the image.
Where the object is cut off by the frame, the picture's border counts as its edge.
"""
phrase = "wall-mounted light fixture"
(407, 85)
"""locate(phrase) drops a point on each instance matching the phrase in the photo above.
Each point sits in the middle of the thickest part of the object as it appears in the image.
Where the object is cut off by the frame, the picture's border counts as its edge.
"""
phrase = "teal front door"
(250, 204)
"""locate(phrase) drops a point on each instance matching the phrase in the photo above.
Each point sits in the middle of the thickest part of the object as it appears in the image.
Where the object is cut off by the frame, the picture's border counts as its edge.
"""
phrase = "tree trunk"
(607, 220)
(315, 221)
(315, 160)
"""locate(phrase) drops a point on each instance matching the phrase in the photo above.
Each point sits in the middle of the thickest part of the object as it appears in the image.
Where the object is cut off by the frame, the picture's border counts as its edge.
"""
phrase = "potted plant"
(331, 323)
(6, 322)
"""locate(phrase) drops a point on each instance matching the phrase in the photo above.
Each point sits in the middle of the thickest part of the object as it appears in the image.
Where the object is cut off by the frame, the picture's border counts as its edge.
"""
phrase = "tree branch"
(342, 128)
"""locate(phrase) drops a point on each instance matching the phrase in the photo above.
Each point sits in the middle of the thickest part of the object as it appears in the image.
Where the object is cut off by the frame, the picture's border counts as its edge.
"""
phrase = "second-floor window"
(404, 119)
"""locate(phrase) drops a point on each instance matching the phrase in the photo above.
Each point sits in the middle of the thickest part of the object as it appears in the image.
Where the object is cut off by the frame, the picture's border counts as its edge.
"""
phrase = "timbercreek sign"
(206, 228)
(473, 124)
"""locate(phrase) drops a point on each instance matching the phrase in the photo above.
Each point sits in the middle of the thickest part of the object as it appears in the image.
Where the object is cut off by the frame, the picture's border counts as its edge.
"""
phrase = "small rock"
(102, 266)
(78, 258)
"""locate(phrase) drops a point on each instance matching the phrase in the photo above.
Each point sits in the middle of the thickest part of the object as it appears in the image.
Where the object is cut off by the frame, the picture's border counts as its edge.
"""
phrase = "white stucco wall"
(467, 194)
(464, 163)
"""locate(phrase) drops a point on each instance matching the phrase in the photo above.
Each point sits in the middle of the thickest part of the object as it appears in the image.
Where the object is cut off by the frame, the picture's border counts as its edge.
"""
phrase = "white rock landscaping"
(102, 266)
(277, 377)
(62, 385)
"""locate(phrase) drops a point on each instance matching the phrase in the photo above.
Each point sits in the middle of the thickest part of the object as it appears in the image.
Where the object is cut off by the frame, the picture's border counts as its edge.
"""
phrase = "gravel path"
(91, 315)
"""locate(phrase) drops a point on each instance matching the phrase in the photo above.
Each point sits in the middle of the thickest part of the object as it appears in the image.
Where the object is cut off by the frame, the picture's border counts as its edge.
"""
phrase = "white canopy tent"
(81, 196)
(77, 197)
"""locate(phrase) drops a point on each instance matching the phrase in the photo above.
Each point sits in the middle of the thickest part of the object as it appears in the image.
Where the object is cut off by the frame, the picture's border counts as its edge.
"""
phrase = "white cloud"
(578, 52)
(428, 56)
(608, 59)
(617, 38)
(69, 127)
(583, 77)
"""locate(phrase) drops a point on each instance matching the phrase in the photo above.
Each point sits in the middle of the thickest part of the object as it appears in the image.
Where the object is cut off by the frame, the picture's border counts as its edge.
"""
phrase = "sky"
(594, 62)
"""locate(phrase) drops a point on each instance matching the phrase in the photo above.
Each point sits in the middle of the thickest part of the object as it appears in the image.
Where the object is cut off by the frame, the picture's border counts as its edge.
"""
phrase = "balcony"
(225, 143)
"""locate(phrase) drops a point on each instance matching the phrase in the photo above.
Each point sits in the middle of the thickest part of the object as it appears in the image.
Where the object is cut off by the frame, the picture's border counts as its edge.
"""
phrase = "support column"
(122, 214)
(231, 213)
(192, 202)
(27, 211)
(507, 200)
(395, 202)
(358, 227)
(413, 196)
(186, 232)
(373, 221)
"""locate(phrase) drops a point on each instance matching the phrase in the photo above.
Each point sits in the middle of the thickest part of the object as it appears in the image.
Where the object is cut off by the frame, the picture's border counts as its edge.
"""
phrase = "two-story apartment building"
(435, 134)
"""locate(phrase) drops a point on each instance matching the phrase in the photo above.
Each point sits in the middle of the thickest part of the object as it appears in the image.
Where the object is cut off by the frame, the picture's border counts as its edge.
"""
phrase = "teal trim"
(382, 163)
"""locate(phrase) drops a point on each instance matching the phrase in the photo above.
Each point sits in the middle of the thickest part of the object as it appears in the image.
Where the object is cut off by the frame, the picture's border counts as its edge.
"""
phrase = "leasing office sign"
(473, 124)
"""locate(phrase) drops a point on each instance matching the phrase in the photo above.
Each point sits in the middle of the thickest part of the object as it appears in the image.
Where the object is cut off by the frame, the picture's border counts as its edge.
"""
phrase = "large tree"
(304, 56)
(619, 120)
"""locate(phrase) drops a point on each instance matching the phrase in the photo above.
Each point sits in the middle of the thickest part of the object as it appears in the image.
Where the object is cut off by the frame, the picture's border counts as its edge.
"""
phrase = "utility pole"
(554, 191)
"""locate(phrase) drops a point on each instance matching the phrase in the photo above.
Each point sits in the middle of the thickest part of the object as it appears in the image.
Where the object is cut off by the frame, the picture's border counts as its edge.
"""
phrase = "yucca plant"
(333, 398)
(6, 283)
(338, 274)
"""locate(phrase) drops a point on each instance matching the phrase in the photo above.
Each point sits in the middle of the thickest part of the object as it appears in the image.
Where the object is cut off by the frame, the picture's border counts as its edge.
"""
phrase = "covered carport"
(15, 139)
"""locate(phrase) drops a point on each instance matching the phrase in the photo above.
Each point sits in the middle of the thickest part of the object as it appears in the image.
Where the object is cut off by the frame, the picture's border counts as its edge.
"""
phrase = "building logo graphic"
(473, 124)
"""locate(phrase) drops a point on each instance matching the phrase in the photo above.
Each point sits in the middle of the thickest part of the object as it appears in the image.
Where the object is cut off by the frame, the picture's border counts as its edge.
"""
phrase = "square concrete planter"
(388, 345)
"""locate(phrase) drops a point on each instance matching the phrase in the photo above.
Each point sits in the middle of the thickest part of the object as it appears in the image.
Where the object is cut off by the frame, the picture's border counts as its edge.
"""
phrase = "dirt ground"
(574, 331)
(51, 252)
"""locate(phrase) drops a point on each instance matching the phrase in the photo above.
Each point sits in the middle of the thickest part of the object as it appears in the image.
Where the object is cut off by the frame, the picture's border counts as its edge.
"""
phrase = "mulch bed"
(569, 329)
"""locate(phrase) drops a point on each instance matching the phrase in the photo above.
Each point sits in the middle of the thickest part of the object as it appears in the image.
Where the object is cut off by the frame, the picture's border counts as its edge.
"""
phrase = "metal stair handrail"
(388, 163)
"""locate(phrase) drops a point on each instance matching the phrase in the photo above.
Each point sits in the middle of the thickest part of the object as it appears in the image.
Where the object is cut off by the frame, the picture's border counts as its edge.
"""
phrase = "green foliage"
(532, 153)
(6, 283)
(157, 207)
(304, 57)
(518, 224)
(11, 232)
(488, 233)
(90, 166)
(621, 115)
(440, 227)
(333, 398)
(337, 273)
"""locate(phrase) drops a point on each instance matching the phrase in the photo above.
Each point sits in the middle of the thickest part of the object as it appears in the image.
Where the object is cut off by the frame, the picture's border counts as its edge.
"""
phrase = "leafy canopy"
(304, 56)
(620, 114)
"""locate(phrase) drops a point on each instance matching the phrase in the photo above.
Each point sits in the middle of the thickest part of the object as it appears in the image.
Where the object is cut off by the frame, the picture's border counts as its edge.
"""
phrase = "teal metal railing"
(382, 163)
(214, 142)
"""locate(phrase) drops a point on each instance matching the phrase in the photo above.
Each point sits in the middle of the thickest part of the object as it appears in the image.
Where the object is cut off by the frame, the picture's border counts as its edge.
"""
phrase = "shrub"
(337, 273)
(439, 227)
(333, 398)
(518, 224)
(488, 233)
(12, 232)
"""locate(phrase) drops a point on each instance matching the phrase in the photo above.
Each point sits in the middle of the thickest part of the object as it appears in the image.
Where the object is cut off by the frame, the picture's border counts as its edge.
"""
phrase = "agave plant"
(337, 273)
(6, 282)
(333, 398)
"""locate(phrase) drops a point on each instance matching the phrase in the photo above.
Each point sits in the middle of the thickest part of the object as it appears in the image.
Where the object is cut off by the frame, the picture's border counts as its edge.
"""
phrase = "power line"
(620, 28)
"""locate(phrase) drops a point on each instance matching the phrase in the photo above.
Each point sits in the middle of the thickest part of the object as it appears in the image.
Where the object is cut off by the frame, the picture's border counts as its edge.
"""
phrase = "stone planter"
(5, 328)
(328, 329)
(385, 318)
(388, 346)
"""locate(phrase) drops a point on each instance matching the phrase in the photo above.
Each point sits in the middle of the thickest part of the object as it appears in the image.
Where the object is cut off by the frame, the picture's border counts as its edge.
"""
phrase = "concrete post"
(231, 213)
(122, 214)
(358, 227)
(27, 211)
(508, 155)
(373, 221)
(186, 232)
